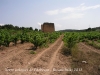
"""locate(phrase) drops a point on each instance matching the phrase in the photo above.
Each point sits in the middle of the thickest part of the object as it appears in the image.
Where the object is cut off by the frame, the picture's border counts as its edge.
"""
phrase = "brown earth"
(90, 48)
(17, 60)
(92, 58)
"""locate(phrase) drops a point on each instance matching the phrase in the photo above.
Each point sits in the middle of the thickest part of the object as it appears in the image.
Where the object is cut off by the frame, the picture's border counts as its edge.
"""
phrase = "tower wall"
(48, 27)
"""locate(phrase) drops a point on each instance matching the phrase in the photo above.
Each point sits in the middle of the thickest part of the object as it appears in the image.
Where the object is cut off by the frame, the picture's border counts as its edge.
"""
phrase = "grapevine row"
(35, 37)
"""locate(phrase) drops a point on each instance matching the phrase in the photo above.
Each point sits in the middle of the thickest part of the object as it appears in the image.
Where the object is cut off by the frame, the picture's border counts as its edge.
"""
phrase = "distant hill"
(70, 30)
(75, 30)
(96, 28)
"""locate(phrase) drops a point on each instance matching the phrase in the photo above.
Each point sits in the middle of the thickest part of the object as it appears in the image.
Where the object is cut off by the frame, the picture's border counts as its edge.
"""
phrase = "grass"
(92, 67)
(93, 63)
(94, 44)
(44, 45)
(32, 52)
(66, 51)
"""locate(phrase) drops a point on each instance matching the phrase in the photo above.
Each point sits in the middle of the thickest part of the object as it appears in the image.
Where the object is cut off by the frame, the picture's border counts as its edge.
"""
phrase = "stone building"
(48, 27)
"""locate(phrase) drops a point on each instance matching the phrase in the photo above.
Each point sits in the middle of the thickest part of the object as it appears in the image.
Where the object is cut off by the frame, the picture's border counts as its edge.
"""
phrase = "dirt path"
(43, 63)
(18, 60)
(61, 63)
(51, 64)
(90, 48)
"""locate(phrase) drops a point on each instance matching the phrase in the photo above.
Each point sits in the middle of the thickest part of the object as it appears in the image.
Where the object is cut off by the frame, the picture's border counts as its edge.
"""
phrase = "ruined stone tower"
(48, 27)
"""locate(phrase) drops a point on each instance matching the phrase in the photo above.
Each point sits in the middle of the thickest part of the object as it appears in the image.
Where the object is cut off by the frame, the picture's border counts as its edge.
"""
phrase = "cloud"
(96, 6)
(82, 4)
(39, 23)
(79, 8)
(72, 16)
(52, 12)
(89, 7)
(71, 12)
(68, 9)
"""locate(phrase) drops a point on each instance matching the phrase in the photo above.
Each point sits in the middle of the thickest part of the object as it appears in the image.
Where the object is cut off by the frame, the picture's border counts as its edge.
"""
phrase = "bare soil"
(17, 60)
(91, 48)
(91, 56)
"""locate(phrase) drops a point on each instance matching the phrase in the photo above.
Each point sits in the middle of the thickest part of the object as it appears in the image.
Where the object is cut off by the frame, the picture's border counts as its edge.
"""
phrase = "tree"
(16, 27)
(89, 29)
(30, 28)
(36, 29)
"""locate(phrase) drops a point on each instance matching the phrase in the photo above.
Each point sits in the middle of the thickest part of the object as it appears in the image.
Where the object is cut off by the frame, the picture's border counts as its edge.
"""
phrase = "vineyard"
(34, 37)
(90, 38)
(49, 51)
(84, 48)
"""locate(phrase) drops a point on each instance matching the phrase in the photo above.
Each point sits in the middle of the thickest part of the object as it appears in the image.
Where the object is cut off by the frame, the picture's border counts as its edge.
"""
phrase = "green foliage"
(22, 38)
(98, 41)
(11, 27)
(8, 39)
(16, 37)
(92, 43)
(5, 37)
(53, 36)
(38, 40)
(90, 35)
(70, 40)
(2, 37)
(75, 52)
(32, 52)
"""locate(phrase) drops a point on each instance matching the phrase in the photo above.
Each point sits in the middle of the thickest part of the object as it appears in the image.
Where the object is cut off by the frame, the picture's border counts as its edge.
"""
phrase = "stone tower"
(48, 27)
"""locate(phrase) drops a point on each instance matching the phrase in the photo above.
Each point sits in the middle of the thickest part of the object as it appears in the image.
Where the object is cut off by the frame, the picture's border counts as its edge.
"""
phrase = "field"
(58, 53)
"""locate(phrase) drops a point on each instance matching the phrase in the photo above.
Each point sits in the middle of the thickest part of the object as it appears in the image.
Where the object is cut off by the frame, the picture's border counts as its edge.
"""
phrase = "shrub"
(70, 42)
(32, 52)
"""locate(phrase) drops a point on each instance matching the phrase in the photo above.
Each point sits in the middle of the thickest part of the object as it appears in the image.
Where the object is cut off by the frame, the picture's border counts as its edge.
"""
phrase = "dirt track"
(19, 61)
(90, 48)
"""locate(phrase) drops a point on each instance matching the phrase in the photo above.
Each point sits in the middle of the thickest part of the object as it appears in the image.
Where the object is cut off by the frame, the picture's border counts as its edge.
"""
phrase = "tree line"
(10, 26)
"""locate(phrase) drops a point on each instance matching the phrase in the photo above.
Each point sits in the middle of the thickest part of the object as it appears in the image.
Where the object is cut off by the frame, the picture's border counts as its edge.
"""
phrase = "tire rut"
(44, 52)
(42, 60)
(45, 61)
(52, 62)
(92, 49)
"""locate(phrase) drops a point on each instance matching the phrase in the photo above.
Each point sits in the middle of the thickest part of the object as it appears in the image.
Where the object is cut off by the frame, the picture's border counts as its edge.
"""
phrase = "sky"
(65, 14)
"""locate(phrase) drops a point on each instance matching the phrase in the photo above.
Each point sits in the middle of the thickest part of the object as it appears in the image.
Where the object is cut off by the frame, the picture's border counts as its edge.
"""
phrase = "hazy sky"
(66, 14)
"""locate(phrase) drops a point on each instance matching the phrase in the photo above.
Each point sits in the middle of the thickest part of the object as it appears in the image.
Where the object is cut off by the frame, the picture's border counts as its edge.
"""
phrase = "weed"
(75, 53)
(32, 52)
(92, 43)
(66, 51)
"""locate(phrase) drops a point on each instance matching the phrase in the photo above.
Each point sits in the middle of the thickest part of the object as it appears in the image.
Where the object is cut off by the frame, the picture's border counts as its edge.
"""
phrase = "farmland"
(29, 52)
(84, 49)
